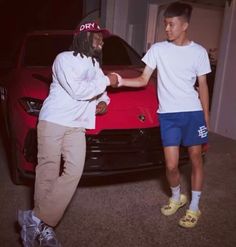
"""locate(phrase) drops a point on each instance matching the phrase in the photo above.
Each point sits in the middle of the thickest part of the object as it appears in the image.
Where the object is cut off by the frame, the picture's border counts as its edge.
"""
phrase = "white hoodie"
(77, 87)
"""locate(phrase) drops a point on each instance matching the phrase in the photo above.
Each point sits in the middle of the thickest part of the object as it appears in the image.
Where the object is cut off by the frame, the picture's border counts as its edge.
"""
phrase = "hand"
(119, 78)
(101, 108)
(113, 79)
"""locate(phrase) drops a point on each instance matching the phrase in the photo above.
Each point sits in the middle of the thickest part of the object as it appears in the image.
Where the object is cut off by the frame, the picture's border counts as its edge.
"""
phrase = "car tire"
(9, 144)
(14, 171)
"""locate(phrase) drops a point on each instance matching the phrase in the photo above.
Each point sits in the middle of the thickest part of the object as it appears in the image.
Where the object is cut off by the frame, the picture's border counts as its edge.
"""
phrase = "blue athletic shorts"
(183, 128)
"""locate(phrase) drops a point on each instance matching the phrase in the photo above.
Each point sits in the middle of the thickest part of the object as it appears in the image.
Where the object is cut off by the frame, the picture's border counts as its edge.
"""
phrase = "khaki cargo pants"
(54, 189)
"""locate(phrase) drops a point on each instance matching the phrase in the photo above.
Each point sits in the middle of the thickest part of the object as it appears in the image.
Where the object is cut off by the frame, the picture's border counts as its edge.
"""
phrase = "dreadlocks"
(82, 44)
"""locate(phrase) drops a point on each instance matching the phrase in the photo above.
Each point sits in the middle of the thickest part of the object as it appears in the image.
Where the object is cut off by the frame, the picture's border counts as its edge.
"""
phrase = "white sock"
(175, 193)
(195, 200)
(36, 219)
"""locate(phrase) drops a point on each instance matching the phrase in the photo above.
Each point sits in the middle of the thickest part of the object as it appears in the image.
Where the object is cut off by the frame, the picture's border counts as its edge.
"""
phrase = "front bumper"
(115, 151)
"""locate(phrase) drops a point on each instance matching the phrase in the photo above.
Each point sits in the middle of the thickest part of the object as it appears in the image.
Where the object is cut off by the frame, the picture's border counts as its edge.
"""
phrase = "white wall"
(118, 18)
(223, 114)
(126, 18)
(136, 25)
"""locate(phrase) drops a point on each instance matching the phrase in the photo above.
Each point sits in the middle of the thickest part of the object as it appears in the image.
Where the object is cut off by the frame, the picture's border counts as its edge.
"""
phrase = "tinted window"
(41, 50)
(117, 52)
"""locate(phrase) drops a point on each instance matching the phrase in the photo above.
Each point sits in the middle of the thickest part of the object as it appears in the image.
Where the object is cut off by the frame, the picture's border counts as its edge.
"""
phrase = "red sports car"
(126, 138)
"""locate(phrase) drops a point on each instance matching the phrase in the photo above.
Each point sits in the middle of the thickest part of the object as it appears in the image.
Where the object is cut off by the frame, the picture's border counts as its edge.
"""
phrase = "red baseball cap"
(91, 27)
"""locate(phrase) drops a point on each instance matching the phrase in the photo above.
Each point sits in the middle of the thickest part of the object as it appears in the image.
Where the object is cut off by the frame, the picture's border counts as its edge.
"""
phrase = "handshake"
(115, 80)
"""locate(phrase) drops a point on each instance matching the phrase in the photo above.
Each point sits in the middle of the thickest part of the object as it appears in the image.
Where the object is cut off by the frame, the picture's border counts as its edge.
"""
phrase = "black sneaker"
(29, 228)
(47, 237)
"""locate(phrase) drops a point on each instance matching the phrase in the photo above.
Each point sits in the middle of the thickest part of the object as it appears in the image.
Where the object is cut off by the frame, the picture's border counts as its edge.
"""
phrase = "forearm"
(76, 83)
(204, 98)
(86, 90)
(134, 82)
(140, 81)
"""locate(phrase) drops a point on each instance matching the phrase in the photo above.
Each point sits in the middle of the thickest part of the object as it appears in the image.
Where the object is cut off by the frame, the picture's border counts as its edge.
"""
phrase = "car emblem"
(142, 118)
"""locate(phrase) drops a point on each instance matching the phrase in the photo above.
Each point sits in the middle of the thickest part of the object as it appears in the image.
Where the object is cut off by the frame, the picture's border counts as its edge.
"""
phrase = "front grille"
(115, 151)
(127, 141)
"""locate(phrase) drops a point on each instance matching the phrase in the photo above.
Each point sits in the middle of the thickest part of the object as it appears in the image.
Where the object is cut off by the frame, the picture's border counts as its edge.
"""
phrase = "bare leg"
(172, 170)
(195, 153)
(173, 177)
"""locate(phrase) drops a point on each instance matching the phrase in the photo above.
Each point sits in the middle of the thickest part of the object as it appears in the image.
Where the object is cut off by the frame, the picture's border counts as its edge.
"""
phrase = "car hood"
(34, 82)
(129, 107)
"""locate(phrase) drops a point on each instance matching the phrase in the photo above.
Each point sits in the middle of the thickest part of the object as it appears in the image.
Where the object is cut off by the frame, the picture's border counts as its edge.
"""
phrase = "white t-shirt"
(77, 86)
(178, 68)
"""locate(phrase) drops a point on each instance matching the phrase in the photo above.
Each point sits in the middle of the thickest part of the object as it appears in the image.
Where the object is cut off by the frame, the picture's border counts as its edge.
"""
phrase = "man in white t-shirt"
(183, 112)
(77, 94)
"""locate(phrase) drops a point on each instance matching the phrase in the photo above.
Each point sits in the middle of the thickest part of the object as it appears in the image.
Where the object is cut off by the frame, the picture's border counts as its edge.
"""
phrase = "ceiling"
(209, 3)
(216, 3)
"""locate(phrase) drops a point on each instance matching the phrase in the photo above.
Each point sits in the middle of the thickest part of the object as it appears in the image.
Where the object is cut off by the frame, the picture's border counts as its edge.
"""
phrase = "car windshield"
(117, 52)
(41, 50)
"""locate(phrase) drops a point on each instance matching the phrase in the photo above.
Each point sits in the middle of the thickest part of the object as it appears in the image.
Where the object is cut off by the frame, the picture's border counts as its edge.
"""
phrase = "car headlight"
(31, 106)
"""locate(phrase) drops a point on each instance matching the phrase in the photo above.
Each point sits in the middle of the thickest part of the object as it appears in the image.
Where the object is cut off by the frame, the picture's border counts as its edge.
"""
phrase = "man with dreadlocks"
(76, 94)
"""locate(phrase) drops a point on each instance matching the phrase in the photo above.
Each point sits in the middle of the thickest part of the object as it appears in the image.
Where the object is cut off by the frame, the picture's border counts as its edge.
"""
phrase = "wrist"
(107, 82)
(121, 82)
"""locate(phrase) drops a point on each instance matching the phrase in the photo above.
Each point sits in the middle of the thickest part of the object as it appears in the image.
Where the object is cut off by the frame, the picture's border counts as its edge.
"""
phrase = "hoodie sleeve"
(104, 97)
(78, 87)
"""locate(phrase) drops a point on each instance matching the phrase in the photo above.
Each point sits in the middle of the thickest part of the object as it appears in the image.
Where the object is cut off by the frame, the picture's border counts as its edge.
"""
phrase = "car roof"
(47, 32)
(54, 32)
